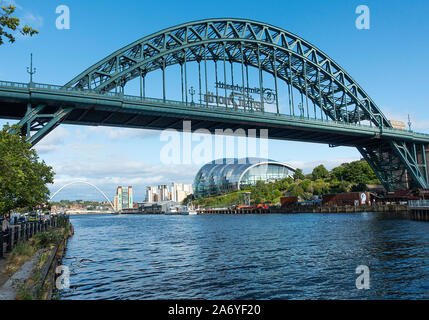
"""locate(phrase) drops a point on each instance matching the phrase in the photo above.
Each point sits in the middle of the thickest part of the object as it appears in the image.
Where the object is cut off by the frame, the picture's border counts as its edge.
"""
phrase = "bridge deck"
(110, 109)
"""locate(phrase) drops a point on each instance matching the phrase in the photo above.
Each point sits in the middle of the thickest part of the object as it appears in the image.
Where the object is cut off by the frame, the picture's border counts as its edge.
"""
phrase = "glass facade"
(228, 175)
(125, 198)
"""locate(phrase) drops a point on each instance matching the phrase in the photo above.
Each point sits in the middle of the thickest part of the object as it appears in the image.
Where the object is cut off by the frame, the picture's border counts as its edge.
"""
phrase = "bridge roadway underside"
(118, 112)
(398, 157)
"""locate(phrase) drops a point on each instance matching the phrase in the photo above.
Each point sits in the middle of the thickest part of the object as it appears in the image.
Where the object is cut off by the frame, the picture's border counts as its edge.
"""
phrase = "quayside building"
(228, 175)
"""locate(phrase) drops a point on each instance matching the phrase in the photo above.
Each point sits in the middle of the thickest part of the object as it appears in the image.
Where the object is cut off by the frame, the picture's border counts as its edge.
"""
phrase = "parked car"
(32, 216)
(22, 219)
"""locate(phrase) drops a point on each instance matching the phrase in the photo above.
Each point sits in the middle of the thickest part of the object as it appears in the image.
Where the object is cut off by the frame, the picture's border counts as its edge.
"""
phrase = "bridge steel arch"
(255, 44)
(84, 182)
(398, 163)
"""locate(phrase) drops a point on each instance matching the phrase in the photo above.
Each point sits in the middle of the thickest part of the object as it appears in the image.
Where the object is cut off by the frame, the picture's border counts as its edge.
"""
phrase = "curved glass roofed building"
(228, 175)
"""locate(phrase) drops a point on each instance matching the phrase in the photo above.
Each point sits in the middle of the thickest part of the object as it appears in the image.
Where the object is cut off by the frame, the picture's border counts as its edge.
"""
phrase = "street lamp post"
(192, 92)
(30, 69)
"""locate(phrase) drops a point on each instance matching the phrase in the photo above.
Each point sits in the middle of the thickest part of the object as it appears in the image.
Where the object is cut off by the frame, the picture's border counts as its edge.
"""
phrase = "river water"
(300, 256)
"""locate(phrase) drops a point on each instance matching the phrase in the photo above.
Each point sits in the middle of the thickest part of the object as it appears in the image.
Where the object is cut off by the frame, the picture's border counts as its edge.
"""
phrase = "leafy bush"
(45, 239)
(23, 249)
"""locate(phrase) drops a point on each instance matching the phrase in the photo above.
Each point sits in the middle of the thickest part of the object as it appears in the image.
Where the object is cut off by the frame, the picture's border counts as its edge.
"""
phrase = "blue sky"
(389, 61)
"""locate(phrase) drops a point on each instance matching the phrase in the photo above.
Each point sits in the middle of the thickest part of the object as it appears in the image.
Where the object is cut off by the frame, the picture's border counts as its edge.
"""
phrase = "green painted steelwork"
(297, 62)
(69, 96)
(340, 133)
(348, 116)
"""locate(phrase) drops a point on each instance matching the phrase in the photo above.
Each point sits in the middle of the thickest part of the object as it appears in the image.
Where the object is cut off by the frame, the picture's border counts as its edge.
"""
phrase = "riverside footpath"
(29, 255)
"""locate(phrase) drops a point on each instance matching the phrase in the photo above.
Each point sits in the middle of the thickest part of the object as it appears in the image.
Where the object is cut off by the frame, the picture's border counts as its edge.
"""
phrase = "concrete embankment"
(49, 271)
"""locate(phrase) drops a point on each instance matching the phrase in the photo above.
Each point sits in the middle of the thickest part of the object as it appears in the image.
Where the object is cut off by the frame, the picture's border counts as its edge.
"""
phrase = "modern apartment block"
(151, 192)
(123, 198)
(177, 193)
(163, 192)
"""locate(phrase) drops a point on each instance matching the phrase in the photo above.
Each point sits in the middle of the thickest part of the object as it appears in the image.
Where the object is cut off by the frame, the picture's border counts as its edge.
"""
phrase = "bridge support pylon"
(40, 120)
(398, 165)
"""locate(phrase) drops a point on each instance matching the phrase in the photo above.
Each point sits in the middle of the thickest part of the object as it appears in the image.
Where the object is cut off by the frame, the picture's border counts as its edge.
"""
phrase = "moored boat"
(181, 210)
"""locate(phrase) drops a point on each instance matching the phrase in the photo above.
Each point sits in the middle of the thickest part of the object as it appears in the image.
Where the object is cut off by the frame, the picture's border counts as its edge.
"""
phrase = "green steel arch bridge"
(262, 77)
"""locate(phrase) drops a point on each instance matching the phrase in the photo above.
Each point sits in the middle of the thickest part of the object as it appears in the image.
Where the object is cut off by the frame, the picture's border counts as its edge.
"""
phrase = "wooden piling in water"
(392, 208)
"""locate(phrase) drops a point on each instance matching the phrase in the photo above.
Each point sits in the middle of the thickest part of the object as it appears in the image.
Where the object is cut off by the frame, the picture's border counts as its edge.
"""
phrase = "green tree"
(23, 178)
(338, 186)
(357, 172)
(9, 23)
(276, 194)
(338, 172)
(298, 175)
(283, 184)
(360, 187)
(296, 190)
(320, 187)
(306, 185)
(360, 172)
(320, 172)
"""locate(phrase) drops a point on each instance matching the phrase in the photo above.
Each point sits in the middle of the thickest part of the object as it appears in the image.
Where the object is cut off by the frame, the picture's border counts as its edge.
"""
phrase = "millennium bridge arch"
(83, 182)
(297, 92)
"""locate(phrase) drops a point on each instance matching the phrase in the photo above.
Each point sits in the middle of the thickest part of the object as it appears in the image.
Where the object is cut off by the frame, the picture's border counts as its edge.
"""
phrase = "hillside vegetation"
(348, 177)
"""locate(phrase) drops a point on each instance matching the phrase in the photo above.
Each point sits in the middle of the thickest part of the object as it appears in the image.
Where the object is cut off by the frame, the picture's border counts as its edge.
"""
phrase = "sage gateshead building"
(228, 175)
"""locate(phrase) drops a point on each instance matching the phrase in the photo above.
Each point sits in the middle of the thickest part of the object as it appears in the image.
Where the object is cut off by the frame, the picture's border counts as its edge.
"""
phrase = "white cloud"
(52, 141)
(122, 133)
(31, 19)
(418, 121)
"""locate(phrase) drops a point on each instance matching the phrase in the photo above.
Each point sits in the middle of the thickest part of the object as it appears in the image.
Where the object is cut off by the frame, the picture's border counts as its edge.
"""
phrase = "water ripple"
(306, 256)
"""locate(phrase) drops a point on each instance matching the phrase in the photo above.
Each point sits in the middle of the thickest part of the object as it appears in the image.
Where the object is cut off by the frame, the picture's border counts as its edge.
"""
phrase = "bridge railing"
(220, 108)
(418, 203)
(86, 92)
(53, 87)
(10, 84)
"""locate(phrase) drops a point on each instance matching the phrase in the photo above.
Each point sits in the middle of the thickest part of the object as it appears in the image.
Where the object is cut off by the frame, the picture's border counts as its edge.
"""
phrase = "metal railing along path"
(418, 204)
(24, 231)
